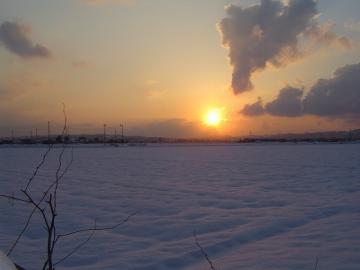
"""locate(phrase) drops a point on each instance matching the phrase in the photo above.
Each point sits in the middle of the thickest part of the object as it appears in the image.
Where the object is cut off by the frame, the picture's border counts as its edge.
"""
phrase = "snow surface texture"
(253, 206)
(5, 262)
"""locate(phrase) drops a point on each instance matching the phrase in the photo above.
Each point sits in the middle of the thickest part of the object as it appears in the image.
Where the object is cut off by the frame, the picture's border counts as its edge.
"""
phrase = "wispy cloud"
(100, 2)
(324, 35)
(153, 89)
(14, 88)
(352, 26)
(154, 94)
(80, 64)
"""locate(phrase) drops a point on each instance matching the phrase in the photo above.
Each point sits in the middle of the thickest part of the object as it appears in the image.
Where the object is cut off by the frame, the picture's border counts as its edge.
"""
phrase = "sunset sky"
(159, 66)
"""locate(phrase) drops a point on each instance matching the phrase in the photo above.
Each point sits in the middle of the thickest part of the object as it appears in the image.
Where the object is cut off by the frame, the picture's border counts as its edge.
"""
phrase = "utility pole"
(12, 135)
(104, 134)
(48, 131)
(66, 136)
(122, 133)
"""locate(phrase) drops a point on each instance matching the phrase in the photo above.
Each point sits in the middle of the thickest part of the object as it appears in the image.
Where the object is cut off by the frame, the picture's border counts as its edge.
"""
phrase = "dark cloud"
(16, 38)
(288, 103)
(338, 96)
(335, 97)
(268, 33)
(255, 109)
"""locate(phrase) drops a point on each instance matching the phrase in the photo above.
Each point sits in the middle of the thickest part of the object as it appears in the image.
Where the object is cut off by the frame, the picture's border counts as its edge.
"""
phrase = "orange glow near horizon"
(213, 117)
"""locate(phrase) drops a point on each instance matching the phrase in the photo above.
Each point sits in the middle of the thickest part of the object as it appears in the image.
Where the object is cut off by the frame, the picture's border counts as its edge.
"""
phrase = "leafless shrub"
(46, 207)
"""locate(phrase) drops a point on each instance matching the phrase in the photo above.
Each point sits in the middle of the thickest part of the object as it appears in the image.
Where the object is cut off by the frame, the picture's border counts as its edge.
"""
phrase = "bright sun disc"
(213, 117)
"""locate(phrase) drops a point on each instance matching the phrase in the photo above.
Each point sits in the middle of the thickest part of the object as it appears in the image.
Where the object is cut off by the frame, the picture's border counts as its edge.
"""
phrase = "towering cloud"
(269, 33)
(335, 97)
(16, 38)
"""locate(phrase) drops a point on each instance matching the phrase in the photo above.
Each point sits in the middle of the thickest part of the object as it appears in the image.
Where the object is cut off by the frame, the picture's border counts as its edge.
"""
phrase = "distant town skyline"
(170, 68)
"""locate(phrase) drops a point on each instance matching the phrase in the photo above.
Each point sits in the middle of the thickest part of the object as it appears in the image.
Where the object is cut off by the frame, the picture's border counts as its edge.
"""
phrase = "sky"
(159, 66)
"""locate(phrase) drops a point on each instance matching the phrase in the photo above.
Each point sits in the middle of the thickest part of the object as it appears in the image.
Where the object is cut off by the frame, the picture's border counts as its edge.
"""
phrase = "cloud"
(11, 90)
(269, 33)
(99, 2)
(153, 89)
(151, 82)
(153, 94)
(255, 109)
(20, 87)
(16, 38)
(337, 97)
(288, 103)
(172, 128)
(11, 93)
(323, 34)
(352, 26)
(80, 64)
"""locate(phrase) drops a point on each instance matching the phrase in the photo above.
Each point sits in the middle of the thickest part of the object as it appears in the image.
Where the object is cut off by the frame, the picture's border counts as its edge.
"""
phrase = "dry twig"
(203, 252)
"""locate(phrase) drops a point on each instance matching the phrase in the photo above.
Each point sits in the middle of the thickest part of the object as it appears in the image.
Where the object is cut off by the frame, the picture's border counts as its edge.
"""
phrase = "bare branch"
(98, 229)
(27, 223)
(59, 178)
(47, 152)
(12, 197)
(57, 175)
(31, 179)
(69, 164)
(36, 206)
(38, 167)
(78, 246)
(203, 252)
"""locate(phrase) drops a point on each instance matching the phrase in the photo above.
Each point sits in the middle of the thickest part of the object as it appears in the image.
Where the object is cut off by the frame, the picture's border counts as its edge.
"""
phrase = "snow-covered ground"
(267, 207)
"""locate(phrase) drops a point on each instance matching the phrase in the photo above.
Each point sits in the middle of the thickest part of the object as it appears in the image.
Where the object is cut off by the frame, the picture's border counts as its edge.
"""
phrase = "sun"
(213, 117)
